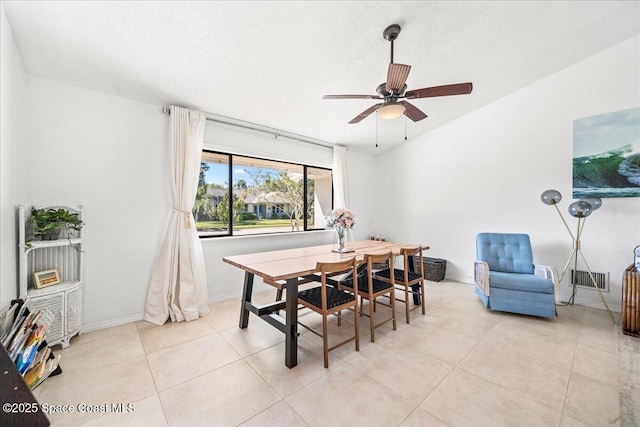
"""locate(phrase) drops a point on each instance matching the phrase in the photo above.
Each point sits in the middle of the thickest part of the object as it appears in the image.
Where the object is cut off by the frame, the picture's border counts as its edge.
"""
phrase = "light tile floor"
(461, 364)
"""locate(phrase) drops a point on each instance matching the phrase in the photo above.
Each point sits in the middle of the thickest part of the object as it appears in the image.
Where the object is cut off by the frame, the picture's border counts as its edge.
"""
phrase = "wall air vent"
(583, 280)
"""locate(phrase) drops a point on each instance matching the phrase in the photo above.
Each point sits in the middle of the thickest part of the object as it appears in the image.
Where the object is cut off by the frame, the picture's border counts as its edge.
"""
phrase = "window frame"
(230, 163)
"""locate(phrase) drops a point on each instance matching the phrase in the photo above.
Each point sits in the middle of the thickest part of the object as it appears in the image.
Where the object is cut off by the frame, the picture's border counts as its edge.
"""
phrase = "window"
(265, 196)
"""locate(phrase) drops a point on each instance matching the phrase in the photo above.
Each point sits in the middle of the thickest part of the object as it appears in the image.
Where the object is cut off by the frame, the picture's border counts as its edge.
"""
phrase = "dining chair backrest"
(335, 267)
(372, 259)
(407, 255)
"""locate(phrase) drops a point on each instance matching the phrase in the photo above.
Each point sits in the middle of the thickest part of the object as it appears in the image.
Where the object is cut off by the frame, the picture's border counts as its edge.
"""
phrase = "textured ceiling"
(270, 62)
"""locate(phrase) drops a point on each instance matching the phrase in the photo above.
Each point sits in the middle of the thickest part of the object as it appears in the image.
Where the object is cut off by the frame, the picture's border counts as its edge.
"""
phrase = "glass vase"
(342, 233)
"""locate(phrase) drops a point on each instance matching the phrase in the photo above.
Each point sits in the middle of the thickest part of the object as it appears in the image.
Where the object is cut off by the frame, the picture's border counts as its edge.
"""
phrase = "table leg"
(415, 288)
(291, 333)
(246, 297)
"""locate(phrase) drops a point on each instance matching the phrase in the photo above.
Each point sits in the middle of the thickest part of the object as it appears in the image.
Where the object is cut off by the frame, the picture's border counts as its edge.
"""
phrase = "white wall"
(109, 154)
(486, 171)
(12, 111)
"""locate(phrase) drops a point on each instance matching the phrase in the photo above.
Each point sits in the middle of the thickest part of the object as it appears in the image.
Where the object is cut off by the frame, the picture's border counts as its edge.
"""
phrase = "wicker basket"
(631, 302)
(434, 268)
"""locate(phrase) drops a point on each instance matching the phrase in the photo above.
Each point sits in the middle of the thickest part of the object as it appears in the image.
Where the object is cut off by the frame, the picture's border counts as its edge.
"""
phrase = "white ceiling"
(270, 62)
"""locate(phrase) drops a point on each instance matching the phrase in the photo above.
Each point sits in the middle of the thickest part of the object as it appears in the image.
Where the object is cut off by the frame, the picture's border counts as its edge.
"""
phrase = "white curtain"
(178, 288)
(340, 196)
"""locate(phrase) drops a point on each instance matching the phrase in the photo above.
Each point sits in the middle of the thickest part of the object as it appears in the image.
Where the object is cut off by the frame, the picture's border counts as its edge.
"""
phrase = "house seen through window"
(240, 195)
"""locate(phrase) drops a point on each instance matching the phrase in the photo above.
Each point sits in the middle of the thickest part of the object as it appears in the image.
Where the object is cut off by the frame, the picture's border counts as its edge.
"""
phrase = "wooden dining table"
(286, 270)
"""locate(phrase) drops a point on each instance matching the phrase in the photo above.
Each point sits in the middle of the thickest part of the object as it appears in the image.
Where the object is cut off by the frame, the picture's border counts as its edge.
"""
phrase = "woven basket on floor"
(434, 268)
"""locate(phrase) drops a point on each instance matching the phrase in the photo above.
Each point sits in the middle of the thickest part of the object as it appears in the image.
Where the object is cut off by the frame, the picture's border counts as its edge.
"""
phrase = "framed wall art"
(606, 155)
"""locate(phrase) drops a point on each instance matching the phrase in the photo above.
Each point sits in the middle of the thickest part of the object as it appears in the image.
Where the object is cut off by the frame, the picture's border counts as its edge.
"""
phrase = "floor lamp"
(580, 209)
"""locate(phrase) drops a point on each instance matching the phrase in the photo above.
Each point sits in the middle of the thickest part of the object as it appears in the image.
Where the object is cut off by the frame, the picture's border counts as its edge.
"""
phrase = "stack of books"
(24, 339)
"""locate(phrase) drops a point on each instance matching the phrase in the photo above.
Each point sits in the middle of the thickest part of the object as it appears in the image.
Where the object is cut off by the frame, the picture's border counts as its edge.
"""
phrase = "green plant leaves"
(46, 220)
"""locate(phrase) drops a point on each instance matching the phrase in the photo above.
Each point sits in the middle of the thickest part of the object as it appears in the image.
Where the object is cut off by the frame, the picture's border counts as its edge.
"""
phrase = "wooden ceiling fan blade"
(397, 76)
(446, 90)
(413, 112)
(351, 97)
(365, 113)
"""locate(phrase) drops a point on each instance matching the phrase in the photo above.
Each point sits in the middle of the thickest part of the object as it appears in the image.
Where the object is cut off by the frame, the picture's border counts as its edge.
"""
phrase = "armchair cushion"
(520, 282)
(508, 253)
(530, 303)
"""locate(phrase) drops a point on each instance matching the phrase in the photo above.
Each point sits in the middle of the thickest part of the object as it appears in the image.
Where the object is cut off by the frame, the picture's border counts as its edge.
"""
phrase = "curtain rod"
(259, 128)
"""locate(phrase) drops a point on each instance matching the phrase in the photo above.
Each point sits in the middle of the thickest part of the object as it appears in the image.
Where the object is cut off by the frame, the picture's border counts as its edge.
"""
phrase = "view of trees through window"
(265, 196)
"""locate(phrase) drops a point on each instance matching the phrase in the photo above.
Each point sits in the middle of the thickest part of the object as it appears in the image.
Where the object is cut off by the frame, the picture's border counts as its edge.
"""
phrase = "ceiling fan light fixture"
(391, 111)
(393, 92)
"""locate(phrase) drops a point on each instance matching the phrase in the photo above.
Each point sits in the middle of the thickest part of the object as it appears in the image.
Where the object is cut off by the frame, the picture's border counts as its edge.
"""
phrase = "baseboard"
(465, 280)
(257, 287)
(615, 308)
(224, 297)
(104, 324)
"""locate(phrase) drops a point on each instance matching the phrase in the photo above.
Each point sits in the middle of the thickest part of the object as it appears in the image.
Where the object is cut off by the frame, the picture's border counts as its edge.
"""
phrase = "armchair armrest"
(481, 270)
(549, 273)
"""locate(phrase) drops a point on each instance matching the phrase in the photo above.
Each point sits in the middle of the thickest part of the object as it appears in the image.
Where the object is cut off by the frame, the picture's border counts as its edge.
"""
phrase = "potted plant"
(49, 222)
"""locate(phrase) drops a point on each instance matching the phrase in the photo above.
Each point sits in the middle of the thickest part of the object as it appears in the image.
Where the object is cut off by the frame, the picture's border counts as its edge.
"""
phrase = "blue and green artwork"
(606, 155)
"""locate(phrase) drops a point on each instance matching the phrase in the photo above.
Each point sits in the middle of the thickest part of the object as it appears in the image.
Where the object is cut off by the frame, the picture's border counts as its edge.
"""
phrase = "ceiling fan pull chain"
(405, 128)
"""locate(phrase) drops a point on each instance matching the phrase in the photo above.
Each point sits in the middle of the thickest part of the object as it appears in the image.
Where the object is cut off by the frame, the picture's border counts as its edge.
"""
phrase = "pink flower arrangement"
(341, 218)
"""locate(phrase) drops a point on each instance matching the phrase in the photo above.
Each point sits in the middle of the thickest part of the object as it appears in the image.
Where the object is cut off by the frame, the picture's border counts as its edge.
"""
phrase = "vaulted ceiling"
(270, 62)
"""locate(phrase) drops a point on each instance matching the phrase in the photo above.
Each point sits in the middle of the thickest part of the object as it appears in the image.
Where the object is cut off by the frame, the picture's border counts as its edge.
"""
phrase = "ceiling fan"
(394, 90)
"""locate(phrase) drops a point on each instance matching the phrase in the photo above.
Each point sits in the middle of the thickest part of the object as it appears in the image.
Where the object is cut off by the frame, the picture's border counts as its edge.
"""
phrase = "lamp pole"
(580, 209)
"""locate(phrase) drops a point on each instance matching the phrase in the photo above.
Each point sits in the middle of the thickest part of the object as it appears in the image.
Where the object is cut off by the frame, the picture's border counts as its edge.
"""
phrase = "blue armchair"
(507, 280)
